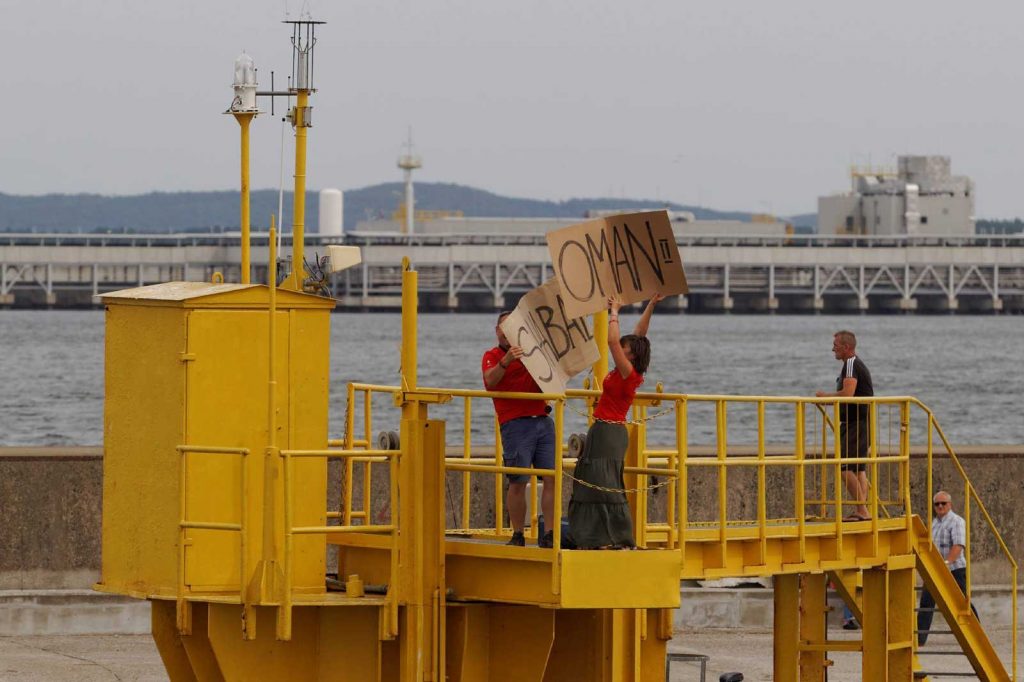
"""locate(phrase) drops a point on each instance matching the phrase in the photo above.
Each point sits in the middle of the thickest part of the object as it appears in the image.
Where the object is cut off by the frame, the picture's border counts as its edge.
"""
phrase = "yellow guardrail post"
(838, 479)
(467, 453)
(682, 487)
(873, 435)
(723, 491)
(967, 538)
(905, 454)
(556, 523)
(931, 492)
(392, 594)
(350, 416)
(368, 417)
(499, 499)
(801, 516)
(762, 489)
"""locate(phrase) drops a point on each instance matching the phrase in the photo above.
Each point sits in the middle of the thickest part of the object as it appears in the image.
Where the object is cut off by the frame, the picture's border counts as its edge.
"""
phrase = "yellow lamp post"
(243, 108)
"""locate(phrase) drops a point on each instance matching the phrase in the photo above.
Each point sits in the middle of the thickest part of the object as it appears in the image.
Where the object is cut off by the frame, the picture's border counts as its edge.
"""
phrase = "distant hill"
(204, 211)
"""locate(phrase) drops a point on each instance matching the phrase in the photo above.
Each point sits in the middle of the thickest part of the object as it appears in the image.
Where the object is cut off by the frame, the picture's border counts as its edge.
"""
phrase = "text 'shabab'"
(555, 346)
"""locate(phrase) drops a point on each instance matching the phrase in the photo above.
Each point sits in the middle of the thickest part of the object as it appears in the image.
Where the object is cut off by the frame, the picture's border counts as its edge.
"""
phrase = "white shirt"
(947, 531)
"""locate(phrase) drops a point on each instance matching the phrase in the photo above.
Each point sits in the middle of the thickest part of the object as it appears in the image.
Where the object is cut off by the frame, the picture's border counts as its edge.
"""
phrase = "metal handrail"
(680, 460)
(184, 524)
(971, 493)
(291, 530)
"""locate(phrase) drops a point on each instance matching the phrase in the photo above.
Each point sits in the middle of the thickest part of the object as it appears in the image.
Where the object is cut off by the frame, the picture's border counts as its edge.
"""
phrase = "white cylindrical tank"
(331, 212)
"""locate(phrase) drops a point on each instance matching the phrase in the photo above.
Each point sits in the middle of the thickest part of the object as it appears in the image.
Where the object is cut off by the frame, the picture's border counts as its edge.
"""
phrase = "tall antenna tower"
(409, 162)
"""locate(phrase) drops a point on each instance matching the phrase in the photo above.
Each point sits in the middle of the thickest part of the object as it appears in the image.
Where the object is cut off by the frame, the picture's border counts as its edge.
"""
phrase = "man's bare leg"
(515, 503)
(862, 478)
(852, 479)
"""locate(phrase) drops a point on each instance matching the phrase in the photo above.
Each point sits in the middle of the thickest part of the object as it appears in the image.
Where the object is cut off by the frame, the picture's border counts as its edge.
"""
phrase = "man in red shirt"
(527, 432)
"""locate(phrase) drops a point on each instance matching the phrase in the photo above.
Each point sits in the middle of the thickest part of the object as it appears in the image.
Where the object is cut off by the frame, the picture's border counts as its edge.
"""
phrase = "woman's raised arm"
(622, 363)
(645, 318)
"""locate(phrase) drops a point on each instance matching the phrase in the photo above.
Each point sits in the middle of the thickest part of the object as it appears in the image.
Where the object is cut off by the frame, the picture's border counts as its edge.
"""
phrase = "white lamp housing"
(245, 84)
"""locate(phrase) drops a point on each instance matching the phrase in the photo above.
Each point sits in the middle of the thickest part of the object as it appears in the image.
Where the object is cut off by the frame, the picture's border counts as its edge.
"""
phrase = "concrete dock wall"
(50, 516)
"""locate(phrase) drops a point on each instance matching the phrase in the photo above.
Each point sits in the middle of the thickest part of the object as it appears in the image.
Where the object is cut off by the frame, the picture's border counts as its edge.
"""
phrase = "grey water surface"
(967, 369)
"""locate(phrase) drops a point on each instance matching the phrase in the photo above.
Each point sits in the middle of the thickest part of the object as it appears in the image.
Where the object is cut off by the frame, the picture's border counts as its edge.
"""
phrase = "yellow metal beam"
(786, 643)
(813, 609)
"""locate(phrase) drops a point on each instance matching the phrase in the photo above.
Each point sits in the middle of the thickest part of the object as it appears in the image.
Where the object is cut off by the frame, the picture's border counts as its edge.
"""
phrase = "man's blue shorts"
(528, 442)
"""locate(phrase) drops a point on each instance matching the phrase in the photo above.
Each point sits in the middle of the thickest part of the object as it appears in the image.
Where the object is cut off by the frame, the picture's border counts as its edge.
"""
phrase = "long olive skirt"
(599, 518)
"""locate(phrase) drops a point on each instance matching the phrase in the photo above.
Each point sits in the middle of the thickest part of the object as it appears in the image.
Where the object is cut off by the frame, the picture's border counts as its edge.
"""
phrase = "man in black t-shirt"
(854, 380)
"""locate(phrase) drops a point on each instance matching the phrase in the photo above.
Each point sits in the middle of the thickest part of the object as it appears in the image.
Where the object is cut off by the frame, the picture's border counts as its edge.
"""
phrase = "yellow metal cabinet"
(187, 365)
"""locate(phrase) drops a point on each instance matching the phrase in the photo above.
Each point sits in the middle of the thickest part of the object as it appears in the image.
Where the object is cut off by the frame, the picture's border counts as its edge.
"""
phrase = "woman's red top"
(615, 401)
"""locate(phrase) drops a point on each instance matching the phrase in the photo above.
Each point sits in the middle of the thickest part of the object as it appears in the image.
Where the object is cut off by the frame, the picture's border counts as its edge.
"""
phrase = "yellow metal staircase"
(953, 605)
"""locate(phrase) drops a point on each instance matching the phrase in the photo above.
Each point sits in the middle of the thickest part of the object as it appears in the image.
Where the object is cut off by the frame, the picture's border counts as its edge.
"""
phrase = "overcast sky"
(748, 105)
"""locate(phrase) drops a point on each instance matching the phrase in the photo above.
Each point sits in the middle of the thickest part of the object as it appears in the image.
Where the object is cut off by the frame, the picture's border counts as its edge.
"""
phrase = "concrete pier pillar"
(51, 299)
(862, 303)
(908, 305)
(773, 304)
(952, 304)
(6, 299)
(997, 305)
(727, 303)
(453, 303)
(499, 302)
(819, 304)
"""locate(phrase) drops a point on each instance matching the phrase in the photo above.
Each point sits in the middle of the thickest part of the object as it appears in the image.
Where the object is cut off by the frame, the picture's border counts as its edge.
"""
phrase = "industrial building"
(684, 223)
(921, 197)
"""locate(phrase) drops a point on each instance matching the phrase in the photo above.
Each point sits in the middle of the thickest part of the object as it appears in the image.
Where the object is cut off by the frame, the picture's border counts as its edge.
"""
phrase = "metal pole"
(601, 339)
(244, 120)
(299, 205)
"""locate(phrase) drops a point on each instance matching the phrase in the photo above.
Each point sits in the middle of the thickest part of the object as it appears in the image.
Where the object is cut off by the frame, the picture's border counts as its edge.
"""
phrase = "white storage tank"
(331, 212)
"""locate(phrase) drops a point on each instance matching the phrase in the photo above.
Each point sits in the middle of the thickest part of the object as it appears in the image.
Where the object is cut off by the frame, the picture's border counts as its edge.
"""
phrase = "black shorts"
(854, 438)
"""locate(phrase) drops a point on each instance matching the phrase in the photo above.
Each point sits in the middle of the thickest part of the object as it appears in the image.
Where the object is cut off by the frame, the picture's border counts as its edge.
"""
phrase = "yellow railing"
(185, 524)
(802, 457)
(970, 494)
(290, 530)
(812, 453)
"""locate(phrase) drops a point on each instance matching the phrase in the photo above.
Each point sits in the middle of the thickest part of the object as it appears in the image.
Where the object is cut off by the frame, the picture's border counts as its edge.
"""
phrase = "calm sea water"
(967, 369)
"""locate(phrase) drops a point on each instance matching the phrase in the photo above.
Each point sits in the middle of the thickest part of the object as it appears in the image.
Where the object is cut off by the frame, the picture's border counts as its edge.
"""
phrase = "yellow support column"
(787, 627)
(875, 607)
(901, 624)
(812, 626)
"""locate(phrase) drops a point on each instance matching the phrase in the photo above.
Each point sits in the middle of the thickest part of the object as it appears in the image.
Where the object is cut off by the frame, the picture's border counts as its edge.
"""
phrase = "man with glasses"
(949, 533)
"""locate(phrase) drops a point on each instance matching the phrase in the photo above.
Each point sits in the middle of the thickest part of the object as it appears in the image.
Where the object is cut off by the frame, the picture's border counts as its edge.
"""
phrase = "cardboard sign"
(556, 347)
(631, 256)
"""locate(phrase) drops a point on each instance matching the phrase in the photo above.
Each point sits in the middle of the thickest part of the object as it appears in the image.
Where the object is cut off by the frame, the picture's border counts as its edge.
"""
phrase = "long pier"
(468, 272)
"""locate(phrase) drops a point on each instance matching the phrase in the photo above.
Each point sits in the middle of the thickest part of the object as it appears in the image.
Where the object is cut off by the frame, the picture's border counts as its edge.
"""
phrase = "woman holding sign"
(598, 511)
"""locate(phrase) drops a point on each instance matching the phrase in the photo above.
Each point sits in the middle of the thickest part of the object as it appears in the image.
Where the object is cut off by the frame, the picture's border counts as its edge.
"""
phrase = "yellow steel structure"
(216, 507)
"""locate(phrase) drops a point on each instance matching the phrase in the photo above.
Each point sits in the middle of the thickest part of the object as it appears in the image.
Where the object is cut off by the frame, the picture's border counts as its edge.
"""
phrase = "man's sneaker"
(548, 541)
(851, 625)
(517, 540)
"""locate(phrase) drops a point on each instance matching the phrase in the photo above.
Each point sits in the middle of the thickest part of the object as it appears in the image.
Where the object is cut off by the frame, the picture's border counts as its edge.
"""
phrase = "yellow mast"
(244, 120)
(300, 116)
